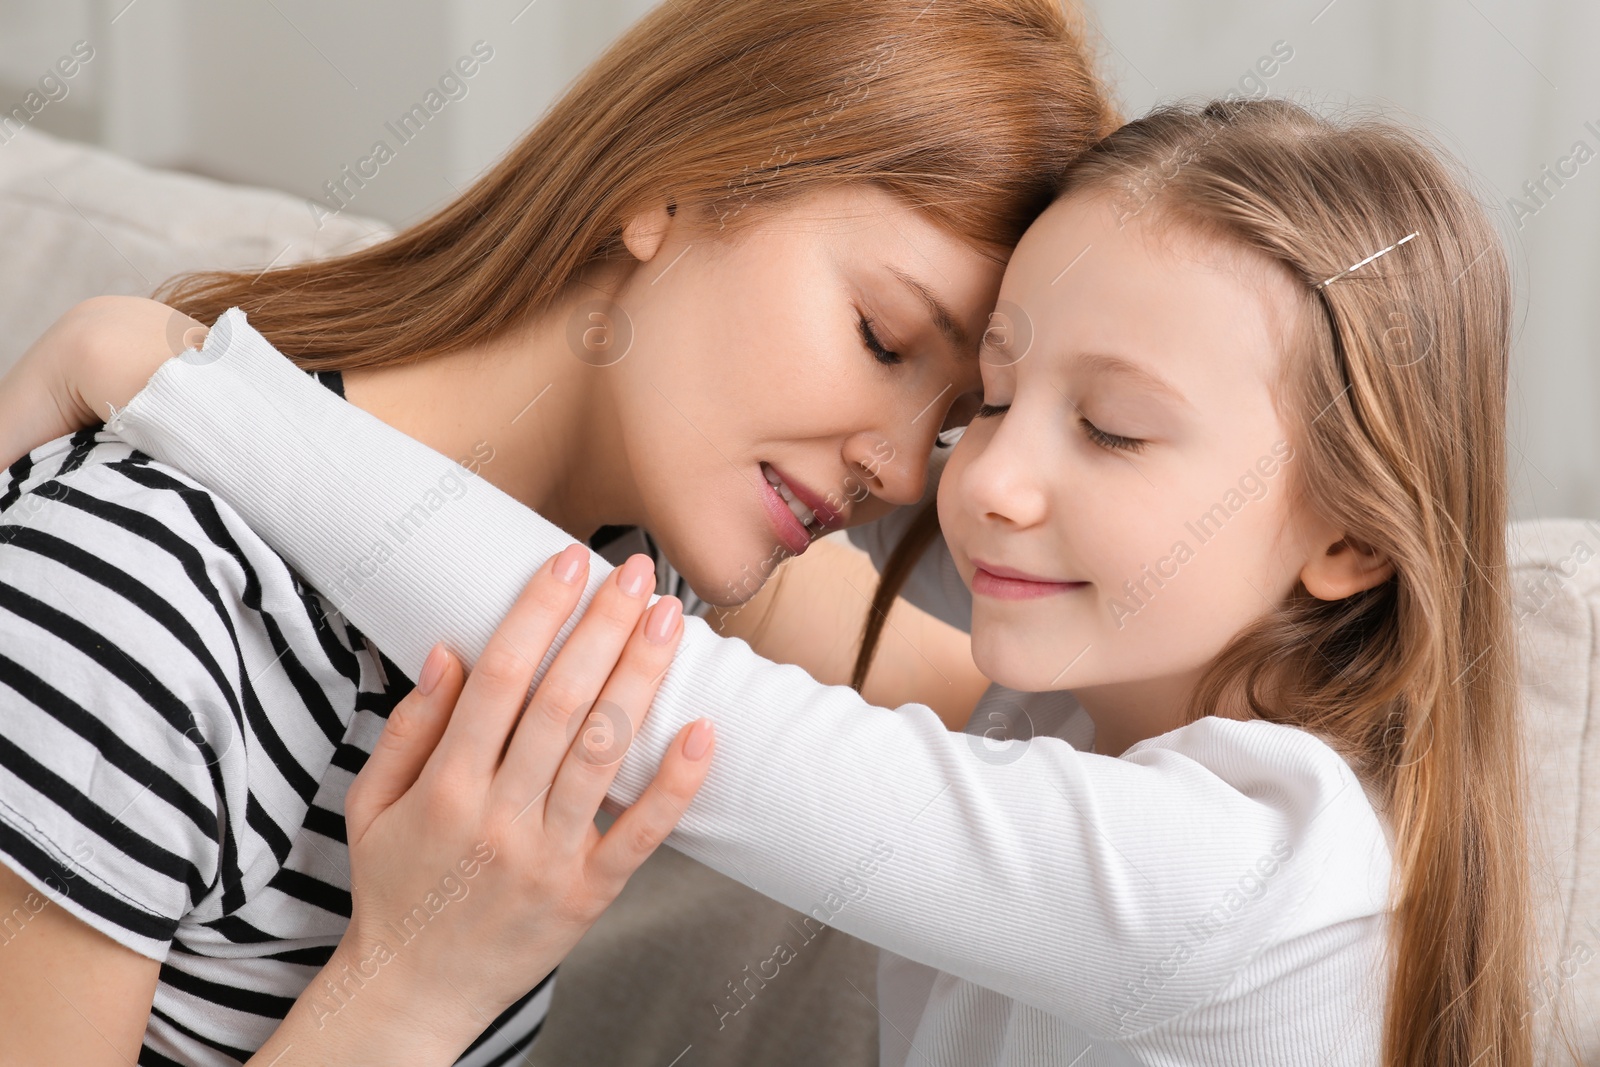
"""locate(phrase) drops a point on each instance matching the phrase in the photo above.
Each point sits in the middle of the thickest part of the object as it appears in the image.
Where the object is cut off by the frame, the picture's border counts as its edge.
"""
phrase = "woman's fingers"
(497, 687)
(568, 691)
(640, 830)
(595, 754)
(409, 737)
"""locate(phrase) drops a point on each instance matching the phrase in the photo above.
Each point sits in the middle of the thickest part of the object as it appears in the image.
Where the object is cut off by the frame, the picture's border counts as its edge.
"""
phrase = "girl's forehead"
(1088, 278)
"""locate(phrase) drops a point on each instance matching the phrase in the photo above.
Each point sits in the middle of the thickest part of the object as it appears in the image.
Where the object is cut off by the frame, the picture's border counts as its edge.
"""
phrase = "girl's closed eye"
(1110, 441)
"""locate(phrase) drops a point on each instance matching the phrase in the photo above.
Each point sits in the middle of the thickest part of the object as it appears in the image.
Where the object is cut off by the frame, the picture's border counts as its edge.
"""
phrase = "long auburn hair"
(1394, 393)
(969, 111)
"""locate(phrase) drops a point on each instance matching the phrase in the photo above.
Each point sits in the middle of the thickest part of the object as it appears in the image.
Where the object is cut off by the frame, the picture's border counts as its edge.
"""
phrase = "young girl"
(1233, 507)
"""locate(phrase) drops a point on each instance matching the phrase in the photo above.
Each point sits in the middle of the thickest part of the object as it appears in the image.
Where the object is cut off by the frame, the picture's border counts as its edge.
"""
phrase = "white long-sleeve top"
(1214, 895)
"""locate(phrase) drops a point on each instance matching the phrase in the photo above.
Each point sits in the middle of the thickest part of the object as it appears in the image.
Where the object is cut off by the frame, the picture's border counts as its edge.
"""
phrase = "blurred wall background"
(294, 94)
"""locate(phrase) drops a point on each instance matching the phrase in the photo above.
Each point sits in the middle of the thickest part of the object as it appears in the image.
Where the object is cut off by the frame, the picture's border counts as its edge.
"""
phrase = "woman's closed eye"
(882, 354)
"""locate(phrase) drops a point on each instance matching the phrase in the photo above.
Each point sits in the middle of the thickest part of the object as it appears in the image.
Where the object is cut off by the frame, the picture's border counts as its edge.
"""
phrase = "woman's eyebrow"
(940, 312)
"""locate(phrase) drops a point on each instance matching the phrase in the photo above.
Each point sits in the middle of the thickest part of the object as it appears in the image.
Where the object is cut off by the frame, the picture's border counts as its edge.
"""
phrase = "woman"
(751, 237)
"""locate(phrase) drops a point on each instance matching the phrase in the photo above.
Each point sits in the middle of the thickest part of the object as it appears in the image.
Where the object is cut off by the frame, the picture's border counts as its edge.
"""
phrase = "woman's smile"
(798, 514)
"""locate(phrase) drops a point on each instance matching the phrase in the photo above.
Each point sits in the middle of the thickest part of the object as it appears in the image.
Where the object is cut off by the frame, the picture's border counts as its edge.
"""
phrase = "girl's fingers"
(603, 738)
(570, 687)
(640, 830)
(409, 737)
(498, 685)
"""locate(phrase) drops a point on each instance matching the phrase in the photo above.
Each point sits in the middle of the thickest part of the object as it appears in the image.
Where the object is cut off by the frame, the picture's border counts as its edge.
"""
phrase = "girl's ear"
(644, 233)
(1344, 568)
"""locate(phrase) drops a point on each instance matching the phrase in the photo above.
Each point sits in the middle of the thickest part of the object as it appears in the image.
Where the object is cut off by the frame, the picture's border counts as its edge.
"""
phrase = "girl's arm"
(1056, 876)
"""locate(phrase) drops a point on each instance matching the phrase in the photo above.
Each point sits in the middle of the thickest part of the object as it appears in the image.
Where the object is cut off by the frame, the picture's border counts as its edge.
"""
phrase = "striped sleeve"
(115, 702)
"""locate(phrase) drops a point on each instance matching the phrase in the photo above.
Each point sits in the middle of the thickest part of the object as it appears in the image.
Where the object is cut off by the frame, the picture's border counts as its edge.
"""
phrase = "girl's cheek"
(952, 501)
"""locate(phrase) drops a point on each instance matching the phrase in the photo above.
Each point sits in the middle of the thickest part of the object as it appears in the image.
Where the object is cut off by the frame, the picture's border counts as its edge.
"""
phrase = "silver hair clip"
(1369, 259)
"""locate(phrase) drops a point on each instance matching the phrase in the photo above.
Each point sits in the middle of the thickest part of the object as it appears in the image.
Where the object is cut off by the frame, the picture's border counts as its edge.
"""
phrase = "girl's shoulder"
(1332, 818)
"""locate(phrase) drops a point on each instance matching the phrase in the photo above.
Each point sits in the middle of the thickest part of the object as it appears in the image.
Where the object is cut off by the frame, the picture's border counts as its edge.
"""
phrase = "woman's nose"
(893, 471)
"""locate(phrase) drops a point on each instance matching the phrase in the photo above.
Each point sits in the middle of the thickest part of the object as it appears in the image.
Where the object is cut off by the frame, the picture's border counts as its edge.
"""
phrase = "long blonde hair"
(1395, 394)
(970, 111)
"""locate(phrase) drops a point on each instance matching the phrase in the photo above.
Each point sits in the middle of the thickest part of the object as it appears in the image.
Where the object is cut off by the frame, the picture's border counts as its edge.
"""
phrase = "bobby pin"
(1369, 259)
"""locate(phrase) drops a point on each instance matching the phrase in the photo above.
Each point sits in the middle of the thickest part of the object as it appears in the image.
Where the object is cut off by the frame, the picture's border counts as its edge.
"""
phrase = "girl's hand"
(100, 353)
(475, 861)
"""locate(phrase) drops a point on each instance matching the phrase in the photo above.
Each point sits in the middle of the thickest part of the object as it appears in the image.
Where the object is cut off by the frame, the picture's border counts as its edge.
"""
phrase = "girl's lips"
(1008, 583)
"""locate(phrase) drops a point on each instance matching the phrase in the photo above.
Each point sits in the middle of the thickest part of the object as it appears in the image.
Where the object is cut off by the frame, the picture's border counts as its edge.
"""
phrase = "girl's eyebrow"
(1102, 363)
(940, 312)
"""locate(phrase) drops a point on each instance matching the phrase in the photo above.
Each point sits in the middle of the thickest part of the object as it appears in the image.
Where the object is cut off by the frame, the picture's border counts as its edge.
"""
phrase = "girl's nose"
(1004, 482)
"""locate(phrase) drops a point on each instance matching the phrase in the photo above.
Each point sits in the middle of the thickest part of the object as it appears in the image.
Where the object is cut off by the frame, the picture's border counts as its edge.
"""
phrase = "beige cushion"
(1555, 575)
(641, 987)
(80, 222)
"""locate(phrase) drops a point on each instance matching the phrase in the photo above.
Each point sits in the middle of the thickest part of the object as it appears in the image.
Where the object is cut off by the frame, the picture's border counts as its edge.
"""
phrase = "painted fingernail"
(698, 743)
(663, 619)
(636, 573)
(570, 562)
(432, 670)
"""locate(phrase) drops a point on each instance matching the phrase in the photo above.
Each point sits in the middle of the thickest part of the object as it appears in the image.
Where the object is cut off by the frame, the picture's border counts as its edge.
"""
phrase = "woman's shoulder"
(155, 658)
(106, 552)
(84, 467)
(92, 504)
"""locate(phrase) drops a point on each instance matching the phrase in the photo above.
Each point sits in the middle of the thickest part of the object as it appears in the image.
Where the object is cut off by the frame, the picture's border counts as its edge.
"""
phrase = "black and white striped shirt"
(180, 717)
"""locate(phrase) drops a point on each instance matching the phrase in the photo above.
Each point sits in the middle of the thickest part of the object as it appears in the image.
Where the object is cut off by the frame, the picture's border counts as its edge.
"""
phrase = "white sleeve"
(1055, 876)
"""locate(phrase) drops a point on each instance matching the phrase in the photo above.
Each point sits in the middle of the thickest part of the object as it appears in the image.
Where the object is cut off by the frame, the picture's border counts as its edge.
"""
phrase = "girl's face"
(1127, 514)
(823, 347)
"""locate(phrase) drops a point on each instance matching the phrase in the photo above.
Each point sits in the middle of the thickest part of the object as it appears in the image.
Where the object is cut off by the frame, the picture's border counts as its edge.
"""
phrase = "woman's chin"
(719, 583)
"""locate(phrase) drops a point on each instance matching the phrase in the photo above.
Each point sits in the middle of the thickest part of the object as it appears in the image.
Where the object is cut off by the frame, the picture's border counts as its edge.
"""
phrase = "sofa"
(641, 986)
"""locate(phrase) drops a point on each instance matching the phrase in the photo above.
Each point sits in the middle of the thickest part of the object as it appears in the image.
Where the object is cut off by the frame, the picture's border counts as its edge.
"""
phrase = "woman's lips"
(1008, 583)
(825, 515)
(792, 533)
(795, 535)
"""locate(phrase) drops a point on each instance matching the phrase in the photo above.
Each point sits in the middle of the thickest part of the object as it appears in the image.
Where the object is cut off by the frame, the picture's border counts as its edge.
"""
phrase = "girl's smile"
(1008, 583)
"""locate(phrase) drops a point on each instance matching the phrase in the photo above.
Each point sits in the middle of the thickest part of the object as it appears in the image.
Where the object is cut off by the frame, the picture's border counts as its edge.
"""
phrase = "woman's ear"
(1344, 568)
(644, 233)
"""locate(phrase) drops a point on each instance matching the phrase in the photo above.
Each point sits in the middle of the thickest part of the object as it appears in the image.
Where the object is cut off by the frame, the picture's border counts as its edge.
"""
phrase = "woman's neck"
(520, 411)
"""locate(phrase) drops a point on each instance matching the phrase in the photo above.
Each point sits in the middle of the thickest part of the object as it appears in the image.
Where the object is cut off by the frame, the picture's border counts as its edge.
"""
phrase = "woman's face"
(821, 347)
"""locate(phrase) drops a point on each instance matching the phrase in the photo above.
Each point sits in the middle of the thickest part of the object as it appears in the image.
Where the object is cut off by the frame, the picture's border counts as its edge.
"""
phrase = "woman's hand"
(475, 861)
(99, 354)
